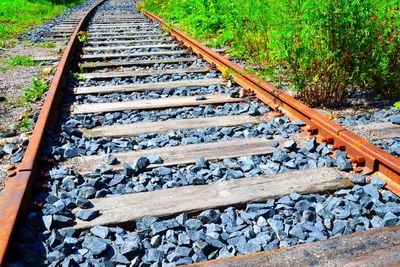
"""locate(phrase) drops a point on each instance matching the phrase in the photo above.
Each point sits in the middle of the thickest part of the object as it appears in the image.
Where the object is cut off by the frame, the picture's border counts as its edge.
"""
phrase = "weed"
(226, 72)
(21, 101)
(83, 37)
(397, 104)
(26, 43)
(22, 61)
(45, 44)
(39, 87)
(26, 122)
(81, 68)
(10, 43)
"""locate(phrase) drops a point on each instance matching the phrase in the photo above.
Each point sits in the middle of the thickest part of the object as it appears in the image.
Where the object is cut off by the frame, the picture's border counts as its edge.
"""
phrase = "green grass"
(26, 61)
(17, 16)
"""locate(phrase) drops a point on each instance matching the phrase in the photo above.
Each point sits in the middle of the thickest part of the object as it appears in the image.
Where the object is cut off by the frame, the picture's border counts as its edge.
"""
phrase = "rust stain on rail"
(366, 157)
(18, 189)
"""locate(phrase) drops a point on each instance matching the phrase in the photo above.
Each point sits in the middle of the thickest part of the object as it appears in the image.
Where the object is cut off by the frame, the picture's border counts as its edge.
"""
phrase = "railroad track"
(144, 154)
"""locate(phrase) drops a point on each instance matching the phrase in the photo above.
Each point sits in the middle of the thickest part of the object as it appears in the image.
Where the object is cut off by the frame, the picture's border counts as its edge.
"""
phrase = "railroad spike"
(11, 167)
(360, 160)
(328, 140)
(35, 205)
(41, 186)
(339, 147)
(313, 130)
(12, 173)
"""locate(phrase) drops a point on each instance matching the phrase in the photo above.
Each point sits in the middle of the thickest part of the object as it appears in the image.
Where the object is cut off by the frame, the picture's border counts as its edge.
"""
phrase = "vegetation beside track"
(17, 16)
(325, 45)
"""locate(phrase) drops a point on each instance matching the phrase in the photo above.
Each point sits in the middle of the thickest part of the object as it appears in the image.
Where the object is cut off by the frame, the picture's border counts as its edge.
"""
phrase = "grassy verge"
(322, 47)
(31, 95)
(17, 16)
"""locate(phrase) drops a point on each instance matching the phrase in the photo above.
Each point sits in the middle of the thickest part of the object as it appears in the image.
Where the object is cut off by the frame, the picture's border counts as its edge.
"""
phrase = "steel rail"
(366, 157)
(17, 191)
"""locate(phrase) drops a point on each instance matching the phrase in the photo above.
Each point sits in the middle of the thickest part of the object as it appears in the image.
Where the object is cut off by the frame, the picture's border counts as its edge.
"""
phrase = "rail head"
(17, 190)
(366, 157)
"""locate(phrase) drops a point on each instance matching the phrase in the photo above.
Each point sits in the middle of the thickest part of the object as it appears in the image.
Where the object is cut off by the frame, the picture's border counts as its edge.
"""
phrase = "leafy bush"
(327, 45)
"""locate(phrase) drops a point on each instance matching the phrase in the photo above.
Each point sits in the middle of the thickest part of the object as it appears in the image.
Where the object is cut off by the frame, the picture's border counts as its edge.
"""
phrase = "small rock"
(311, 145)
(274, 143)
(87, 215)
(357, 179)
(279, 156)
(130, 249)
(162, 171)
(155, 241)
(128, 170)
(95, 245)
(302, 205)
(286, 200)
(378, 182)
(120, 259)
(343, 163)
(297, 232)
(47, 221)
(62, 219)
(209, 216)
(141, 164)
(249, 247)
(394, 119)
(277, 227)
(10, 148)
(154, 255)
(290, 145)
(390, 219)
(111, 159)
(371, 191)
(158, 227)
(193, 224)
(83, 203)
(155, 159)
(181, 218)
(377, 222)
(100, 231)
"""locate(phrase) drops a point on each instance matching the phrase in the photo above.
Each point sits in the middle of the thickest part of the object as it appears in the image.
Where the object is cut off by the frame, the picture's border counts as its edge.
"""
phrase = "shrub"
(327, 45)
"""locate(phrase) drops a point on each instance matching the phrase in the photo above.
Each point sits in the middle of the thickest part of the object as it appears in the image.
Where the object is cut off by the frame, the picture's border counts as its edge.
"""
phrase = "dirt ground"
(13, 80)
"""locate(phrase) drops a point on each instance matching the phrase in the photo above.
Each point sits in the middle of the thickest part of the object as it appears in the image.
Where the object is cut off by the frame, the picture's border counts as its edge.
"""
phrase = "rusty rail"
(366, 157)
(17, 191)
